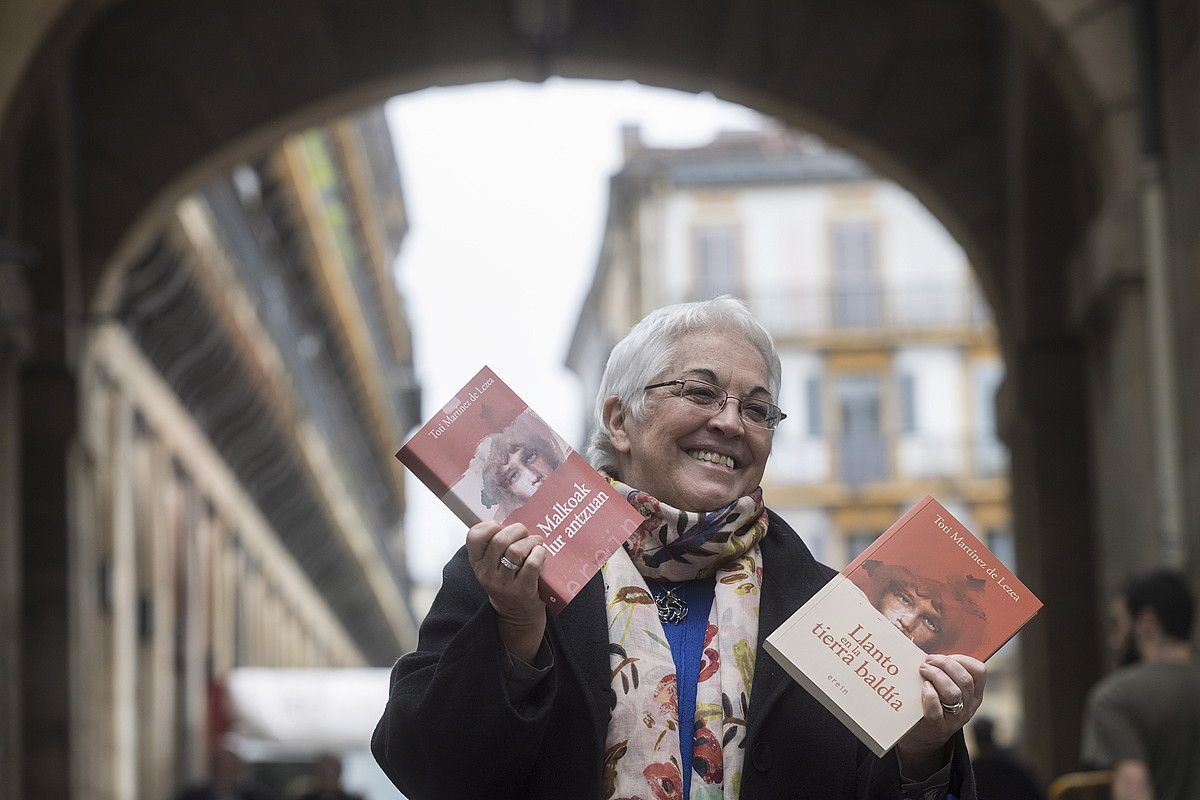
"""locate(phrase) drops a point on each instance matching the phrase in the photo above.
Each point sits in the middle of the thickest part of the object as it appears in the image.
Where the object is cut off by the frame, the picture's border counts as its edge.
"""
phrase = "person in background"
(1143, 720)
(652, 682)
(999, 774)
(326, 783)
(229, 780)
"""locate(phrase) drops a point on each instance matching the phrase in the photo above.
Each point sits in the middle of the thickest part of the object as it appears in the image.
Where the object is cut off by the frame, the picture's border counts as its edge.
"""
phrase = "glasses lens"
(754, 411)
(759, 412)
(701, 393)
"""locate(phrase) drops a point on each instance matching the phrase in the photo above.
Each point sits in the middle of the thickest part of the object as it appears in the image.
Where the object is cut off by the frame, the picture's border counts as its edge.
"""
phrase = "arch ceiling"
(167, 92)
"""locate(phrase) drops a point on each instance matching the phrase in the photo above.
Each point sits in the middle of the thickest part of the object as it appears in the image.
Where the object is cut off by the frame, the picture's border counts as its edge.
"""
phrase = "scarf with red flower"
(642, 758)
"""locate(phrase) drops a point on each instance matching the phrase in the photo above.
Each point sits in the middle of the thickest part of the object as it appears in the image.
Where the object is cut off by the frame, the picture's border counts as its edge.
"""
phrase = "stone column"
(1051, 499)
(1044, 414)
(1178, 22)
(48, 423)
(14, 346)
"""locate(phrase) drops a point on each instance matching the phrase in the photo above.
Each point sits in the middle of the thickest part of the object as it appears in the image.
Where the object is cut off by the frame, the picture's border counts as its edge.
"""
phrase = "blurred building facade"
(233, 495)
(890, 360)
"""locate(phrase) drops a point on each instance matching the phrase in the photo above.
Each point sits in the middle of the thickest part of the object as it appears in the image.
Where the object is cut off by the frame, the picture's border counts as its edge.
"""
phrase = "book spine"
(460, 509)
(423, 472)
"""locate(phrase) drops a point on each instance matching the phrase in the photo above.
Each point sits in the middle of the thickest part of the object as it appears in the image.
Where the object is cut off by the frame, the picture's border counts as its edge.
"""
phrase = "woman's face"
(524, 471)
(686, 456)
(916, 616)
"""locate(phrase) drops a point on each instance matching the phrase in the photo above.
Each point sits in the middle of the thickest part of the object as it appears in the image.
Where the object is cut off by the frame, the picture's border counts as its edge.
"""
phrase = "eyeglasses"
(755, 411)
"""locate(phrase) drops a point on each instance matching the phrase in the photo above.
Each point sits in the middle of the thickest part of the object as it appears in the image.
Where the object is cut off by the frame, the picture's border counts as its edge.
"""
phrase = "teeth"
(716, 458)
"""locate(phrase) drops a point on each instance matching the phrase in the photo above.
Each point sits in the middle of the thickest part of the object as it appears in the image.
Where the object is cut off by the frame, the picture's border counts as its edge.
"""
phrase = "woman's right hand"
(514, 594)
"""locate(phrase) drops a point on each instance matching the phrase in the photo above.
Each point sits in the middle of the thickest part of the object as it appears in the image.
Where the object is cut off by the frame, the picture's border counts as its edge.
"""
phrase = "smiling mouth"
(711, 457)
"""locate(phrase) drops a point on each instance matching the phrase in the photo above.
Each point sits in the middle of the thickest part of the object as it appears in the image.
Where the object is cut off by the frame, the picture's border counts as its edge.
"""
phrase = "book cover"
(488, 456)
(926, 585)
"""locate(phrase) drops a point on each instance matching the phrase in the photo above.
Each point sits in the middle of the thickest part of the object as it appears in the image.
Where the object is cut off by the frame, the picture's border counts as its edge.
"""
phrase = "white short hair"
(649, 348)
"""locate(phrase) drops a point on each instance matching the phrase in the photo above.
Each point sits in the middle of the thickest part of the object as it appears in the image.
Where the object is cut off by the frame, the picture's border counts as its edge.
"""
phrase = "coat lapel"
(582, 639)
(790, 577)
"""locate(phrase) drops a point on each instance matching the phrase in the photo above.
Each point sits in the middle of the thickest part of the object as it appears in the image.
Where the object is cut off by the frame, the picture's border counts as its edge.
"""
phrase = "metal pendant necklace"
(671, 607)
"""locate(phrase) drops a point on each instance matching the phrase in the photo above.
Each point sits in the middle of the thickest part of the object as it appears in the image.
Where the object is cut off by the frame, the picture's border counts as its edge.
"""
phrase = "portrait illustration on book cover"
(511, 465)
(940, 586)
(939, 613)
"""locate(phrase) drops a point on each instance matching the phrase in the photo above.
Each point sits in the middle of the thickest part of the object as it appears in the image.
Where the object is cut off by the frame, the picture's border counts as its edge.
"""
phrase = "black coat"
(449, 730)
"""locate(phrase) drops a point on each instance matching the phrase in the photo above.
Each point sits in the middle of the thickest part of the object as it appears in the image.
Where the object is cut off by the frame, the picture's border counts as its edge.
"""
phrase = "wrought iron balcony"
(908, 306)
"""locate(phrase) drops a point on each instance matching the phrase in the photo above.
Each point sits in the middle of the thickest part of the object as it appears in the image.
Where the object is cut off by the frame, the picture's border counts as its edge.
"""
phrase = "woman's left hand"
(949, 681)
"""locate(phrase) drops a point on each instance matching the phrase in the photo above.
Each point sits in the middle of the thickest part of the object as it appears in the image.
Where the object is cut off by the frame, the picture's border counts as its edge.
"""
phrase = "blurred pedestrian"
(228, 780)
(327, 781)
(999, 774)
(1143, 720)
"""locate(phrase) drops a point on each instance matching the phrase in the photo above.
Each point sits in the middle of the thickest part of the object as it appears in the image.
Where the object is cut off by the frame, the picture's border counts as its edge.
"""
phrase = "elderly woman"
(621, 697)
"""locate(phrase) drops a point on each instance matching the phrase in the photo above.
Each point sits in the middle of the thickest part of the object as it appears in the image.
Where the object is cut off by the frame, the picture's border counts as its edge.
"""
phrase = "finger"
(977, 670)
(949, 691)
(931, 704)
(531, 570)
(478, 538)
(500, 544)
(519, 550)
(517, 553)
(957, 673)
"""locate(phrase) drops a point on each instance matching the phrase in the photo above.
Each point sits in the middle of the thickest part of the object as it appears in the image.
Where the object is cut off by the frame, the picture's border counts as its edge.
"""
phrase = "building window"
(856, 300)
(864, 454)
(991, 459)
(1000, 542)
(907, 385)
(716, 261)
(857, 542)
(812, 402)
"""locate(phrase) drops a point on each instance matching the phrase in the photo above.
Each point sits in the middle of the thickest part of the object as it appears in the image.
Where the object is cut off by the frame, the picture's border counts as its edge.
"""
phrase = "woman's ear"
(615, 420)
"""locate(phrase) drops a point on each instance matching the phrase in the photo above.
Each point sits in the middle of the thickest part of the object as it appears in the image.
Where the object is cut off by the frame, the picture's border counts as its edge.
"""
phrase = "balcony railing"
(912, 306)
(877, 457)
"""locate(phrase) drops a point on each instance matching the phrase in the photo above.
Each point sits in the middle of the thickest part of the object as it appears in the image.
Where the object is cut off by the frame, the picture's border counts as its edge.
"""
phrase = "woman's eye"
(755, 411)
(530, 456)
(700, 394)
(510, 477)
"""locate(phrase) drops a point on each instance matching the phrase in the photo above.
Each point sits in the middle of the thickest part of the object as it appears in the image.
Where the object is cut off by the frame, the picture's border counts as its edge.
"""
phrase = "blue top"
(687, 644)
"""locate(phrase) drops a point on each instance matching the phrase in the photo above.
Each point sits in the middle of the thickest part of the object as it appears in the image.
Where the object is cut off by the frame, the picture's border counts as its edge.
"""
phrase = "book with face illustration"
(926, 585)
(488, 456)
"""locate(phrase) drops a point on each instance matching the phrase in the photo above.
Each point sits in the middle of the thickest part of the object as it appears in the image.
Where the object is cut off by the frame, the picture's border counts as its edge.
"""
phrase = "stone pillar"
(1044, 414)
(14, 346)
(1179, 67)
(1046, 435)
(48, 422)
(1110, 299)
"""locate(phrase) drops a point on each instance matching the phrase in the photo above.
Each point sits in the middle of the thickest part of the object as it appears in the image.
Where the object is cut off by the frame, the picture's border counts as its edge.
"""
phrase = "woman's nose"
(728, 418)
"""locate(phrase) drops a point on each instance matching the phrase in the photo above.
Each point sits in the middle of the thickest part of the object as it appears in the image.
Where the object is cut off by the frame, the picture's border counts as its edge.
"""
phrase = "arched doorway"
(128, 107)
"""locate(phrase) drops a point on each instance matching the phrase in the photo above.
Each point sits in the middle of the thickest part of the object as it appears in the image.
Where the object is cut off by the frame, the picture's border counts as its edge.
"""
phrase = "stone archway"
(970, 105)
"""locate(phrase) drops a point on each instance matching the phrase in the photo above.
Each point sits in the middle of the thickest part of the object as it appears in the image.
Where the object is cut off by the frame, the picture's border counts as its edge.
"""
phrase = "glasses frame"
(722, 401)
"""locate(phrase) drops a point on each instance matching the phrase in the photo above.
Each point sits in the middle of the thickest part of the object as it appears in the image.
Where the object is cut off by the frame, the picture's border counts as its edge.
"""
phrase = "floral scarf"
(642, 758)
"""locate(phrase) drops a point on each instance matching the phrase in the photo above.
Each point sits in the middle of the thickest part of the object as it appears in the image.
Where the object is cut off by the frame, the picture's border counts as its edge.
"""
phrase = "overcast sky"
(507, 189)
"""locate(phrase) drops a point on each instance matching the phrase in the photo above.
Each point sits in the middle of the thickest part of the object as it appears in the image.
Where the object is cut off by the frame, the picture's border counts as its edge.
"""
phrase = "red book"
(927, 585)
(488, 456)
